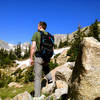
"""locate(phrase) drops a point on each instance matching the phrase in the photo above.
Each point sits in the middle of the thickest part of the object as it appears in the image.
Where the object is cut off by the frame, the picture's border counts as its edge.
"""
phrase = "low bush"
(52, 65)
(29, 75)
(4, 79)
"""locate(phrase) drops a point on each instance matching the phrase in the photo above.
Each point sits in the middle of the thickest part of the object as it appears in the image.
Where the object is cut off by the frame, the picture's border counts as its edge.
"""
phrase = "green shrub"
(17, 71)
(52, 65)
(2, 83)
(4, 79)
(29, 75)
(18, 74)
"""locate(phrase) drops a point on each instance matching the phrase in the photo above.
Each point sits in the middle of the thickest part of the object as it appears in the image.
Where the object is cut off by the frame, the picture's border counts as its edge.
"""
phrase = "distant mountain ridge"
(8, 46)
(5, 45)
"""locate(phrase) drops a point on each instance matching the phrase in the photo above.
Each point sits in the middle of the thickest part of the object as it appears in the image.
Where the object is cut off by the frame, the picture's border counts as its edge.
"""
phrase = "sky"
(19, 18)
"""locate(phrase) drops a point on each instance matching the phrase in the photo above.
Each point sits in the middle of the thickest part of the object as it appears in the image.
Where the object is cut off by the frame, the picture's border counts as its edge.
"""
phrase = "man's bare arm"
(32, 52)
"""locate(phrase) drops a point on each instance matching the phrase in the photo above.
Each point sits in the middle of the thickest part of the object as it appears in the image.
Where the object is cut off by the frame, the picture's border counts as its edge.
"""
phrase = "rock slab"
(85, 83)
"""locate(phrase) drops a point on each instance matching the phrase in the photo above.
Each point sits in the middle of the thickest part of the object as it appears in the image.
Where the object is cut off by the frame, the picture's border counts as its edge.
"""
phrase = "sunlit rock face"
(85, 83)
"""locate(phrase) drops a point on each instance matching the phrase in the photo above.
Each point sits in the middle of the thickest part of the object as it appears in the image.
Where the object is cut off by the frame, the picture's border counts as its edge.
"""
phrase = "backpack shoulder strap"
(41, 32)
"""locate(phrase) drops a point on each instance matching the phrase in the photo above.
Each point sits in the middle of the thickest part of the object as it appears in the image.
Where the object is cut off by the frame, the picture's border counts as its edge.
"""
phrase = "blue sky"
(19, 18)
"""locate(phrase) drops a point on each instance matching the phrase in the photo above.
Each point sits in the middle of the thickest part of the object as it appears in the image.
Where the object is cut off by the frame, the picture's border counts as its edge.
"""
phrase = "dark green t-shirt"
(36, 37)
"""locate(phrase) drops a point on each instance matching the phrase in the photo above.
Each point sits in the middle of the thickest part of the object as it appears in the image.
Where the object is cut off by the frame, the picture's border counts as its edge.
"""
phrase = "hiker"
(41, 52)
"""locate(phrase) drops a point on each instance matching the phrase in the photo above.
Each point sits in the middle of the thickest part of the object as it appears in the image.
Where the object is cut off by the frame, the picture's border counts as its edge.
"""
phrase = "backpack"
(46, 45)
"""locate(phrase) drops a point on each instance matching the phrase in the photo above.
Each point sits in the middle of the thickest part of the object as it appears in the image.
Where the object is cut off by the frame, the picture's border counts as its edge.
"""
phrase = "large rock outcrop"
(63, 73)
(62, 58)
(85, 82)
(59, 87)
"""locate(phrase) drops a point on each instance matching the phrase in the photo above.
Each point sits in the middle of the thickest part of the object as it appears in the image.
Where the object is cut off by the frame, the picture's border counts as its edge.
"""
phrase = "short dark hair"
(43, 24)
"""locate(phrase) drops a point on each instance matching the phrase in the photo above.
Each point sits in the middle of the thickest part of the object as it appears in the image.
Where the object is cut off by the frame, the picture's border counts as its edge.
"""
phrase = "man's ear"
(40, 27)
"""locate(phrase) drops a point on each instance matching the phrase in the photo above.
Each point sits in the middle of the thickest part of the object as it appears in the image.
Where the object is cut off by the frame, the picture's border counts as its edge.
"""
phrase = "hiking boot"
(43, 83)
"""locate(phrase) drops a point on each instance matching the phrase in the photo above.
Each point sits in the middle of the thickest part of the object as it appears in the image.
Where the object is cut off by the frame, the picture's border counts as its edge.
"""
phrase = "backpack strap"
(41, 32)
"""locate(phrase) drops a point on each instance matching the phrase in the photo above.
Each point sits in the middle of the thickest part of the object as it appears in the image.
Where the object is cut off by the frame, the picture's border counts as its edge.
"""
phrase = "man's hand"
(31, 62)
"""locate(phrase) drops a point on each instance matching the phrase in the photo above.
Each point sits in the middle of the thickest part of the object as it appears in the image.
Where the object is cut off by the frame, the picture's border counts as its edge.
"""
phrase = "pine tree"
(55, 46)
(27, 52)
(60, 44)
(5, 59)
(67, 38)
(94, 30)
(12, 55)
(76, 45)
(18, 51)
(66, 43)
(26, 55)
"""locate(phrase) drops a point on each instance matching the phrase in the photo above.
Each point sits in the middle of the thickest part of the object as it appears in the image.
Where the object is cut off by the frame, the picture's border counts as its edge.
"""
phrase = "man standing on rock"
(42, 49)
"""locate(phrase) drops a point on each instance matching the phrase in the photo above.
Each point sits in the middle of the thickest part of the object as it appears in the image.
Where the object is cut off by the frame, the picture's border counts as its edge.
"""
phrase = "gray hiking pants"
(39, 64)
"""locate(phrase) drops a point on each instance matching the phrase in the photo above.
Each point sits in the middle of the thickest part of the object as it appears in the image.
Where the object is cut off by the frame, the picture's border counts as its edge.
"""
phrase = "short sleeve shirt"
(37, 37)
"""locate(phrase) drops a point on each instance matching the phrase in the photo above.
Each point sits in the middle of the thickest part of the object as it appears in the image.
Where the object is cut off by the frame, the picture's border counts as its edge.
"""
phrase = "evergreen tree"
(55, 46)
(12, 55)
(18, 51)
(94, 30)
(27, 52)
(67, 38)
(66, 43)
(26, 55)
(1, 57)
(5, 59)
(60, 44)
(76, 45)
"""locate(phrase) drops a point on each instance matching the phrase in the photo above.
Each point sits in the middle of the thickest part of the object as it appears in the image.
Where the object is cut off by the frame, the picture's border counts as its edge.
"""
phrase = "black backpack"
(46, 45)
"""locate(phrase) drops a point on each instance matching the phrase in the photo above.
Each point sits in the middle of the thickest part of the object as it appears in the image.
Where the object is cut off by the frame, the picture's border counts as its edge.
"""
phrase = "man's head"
(42, 26)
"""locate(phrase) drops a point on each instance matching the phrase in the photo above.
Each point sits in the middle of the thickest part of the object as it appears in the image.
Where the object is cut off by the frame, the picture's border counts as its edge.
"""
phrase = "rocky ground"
(78, 80)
